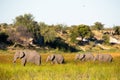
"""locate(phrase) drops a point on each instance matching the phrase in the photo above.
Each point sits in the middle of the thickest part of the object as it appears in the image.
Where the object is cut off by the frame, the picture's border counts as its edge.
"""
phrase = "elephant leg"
(83, 59)
(38, 61)
(23, 61)
(52, 62)
(61, 61)
(56, 62)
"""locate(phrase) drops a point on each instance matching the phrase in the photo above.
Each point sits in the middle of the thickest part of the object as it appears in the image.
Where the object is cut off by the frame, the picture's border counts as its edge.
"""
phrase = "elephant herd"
(34, 57)
(91, 57)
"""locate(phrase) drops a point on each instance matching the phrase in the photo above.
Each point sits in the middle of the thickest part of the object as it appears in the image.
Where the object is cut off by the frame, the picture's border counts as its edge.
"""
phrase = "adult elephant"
(55, 58)
(27, 56)
(84, 57)
(103, 58)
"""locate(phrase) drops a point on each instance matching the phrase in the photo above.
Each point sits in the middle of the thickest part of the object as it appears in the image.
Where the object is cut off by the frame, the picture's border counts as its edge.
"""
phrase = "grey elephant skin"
(103, 58)
(55, 58)
(27, 56)
(84, 57)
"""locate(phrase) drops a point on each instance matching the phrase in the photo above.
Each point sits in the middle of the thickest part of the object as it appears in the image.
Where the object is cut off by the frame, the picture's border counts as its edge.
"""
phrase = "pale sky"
(69, 12)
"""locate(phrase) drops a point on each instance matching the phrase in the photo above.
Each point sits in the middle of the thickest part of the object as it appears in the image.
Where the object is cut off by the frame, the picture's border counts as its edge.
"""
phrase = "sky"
(68, 12)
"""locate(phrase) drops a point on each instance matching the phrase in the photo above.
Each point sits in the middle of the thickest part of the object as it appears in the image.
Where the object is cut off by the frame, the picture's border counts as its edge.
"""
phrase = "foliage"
(98, 26)
(48, 32)
(3, 37)
(3, 40)
(3, 25)
(44, 35)
(106, 39)
(60, 44)
(24, 20)
(27, 20)
(117, 30)
(82, 31)
(74, 33)
(20, 35)
(60, 27)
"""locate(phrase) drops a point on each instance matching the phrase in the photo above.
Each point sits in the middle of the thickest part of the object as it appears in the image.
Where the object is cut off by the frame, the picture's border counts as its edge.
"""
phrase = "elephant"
(55, 58)
(27, 56)
(84, 57)
(103, 58)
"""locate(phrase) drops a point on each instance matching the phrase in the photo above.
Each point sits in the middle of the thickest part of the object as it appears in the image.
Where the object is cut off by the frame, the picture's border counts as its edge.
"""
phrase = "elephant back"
(89, 56)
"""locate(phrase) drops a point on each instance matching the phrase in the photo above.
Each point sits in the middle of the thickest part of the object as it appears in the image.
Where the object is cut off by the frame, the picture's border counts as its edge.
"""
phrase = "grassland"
(69, 71)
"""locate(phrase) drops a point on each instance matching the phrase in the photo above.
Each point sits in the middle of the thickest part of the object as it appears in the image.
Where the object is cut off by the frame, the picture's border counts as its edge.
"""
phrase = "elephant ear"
(22, 54)
(52, 57)
(82, 56)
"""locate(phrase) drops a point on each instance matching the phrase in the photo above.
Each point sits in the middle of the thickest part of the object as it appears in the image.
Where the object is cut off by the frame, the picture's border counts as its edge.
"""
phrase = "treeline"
(28, 33)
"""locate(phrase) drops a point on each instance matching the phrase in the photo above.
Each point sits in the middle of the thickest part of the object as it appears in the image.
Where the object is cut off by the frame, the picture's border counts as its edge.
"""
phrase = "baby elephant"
(55, 58)
(27, 56)
(84, 57)
(103, 58)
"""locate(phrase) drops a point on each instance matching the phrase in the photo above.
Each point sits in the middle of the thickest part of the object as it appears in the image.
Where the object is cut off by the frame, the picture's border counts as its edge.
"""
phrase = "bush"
(82, 31)
(3, 37)
(117, 30)
(106, 39)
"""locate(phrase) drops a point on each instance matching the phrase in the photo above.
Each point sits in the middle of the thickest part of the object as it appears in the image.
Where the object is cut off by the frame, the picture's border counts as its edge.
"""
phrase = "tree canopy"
(27, 20)
(28, 32)
(117, 30)
(81, 31)
(98, 26)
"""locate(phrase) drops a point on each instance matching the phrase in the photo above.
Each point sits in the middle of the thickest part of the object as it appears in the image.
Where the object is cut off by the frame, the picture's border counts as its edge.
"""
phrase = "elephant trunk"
(14, 61)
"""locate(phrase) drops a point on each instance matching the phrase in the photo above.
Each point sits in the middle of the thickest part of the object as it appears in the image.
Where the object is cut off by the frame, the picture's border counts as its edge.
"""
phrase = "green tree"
(74, 33)
(19, 35)
(27, 20)
(117, 30)
(106, 39)
(98, 26)
(60, 27)
(84, 31)
(24, 20)
(48, 32)
(3, 25)
(81, 31)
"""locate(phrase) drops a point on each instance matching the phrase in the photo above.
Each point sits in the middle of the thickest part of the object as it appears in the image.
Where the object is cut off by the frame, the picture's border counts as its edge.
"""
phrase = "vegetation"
(58, 38)
(82, 31)
(27, 20)
(106, 39)
(48, 32)
(98, 26)
(117, 30)
(19, 36)
(69, 71)
(28, 33)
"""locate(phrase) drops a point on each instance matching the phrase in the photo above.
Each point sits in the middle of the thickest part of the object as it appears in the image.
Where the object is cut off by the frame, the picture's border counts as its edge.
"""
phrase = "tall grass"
(69, 71)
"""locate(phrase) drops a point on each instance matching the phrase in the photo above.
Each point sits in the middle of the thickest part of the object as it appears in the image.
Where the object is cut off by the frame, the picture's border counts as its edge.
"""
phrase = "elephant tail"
(40, 60)
(111, 60)
(63, 61)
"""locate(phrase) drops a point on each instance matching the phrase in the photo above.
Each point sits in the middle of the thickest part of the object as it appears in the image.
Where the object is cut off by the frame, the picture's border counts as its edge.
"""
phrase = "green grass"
(69, 71)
